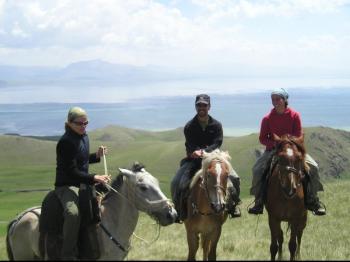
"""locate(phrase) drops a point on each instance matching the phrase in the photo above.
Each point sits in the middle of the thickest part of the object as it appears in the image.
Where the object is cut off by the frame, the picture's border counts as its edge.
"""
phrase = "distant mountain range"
(98, 72)
(91, 72)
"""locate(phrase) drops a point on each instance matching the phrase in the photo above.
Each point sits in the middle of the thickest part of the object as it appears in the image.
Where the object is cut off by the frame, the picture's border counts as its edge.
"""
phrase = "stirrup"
(318, 206)
(257, 209)
(236, 212)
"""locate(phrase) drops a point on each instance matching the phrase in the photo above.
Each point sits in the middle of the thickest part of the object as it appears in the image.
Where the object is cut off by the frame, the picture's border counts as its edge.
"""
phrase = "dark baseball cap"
(203, 99)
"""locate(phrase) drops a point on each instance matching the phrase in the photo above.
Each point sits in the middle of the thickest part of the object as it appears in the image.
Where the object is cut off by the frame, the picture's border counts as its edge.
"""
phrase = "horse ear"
(126, 172)
(276, 137)
(226, 155)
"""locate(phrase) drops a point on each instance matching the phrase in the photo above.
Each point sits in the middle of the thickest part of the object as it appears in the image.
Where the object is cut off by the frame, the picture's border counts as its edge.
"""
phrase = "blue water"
(240, 114)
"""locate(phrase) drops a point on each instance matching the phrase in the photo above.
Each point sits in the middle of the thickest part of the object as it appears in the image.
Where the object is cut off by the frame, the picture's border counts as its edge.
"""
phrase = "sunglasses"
(81, 123)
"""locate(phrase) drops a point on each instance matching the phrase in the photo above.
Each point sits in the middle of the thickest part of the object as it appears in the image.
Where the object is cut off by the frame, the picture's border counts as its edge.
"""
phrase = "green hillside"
(160, 152)
(28, 163)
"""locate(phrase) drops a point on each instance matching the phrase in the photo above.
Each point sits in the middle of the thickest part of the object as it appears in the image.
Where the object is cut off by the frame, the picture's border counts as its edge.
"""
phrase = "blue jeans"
(182, 179)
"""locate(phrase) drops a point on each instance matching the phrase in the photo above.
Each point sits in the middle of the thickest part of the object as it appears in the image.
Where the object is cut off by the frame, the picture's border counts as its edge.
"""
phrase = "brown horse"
(206, 204)
(285, 195)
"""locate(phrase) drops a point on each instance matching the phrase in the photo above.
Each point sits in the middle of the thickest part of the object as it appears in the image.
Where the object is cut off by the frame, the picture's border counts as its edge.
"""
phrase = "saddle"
(270, 165)
(184, 193)
(51, 225)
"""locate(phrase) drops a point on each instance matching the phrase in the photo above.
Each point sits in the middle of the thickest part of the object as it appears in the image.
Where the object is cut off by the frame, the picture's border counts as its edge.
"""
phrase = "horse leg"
(299, 236)
(193, 244)
(205, 246)
(280, 242)
(214, 239)
(275, 228)
(293, 241)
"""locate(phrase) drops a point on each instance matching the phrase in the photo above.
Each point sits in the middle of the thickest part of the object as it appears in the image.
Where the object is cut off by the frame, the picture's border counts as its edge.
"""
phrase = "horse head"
(215, 171)
(290, 153)
(145, 194)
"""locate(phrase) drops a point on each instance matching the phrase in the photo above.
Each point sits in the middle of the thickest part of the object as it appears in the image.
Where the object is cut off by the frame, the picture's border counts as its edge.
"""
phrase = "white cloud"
(148, 32)
(247, 8)
(17, 31)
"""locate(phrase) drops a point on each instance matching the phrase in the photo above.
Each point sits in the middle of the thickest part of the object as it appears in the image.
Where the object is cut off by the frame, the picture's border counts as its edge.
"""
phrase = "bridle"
(131, 195)
(204, 185)
(291, 169)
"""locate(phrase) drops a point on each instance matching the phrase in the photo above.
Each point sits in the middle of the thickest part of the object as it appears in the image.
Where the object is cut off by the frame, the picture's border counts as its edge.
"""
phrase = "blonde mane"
(207, 158)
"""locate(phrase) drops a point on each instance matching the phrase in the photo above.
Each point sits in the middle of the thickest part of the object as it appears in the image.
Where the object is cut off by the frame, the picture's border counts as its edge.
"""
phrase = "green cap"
(76, 112)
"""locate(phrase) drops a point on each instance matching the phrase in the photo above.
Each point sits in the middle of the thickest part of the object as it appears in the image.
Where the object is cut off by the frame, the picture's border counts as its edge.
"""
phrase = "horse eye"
(143, 187)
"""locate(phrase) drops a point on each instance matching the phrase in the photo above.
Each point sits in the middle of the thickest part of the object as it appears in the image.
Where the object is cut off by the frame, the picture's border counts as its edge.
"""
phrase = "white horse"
(132, 191)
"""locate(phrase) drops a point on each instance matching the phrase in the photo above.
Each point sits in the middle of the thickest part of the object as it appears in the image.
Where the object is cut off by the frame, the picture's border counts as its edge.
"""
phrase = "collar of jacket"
(71, 132)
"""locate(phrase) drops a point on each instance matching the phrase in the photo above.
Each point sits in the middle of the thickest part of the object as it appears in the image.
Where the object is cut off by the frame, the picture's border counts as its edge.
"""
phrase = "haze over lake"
(239, 113)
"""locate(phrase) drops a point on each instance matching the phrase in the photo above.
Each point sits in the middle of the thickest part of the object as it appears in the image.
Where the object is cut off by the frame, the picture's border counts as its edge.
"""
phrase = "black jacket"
(197, 138)
(73, 158)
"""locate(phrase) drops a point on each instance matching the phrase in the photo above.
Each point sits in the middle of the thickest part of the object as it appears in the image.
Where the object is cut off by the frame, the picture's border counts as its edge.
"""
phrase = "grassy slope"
(247, 238)
(28, 163)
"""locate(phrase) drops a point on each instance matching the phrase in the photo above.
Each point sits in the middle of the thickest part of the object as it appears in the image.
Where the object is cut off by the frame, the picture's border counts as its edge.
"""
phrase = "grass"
(248, 237)
(245, 238)
(28, 163)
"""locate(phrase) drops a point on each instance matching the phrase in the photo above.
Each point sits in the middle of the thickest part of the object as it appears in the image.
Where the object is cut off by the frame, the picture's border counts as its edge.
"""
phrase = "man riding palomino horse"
(282, 120)
(202, 133)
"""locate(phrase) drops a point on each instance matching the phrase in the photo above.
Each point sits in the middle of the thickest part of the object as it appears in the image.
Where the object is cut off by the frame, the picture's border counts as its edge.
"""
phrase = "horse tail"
(8, 244)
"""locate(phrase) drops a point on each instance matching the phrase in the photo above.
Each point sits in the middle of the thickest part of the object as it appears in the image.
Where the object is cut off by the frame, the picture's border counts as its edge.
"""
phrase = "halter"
(292, 169)
(131, 192)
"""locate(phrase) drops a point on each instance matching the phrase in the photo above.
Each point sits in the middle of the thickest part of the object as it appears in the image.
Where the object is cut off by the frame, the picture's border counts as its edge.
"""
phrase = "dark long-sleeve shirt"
(73, 158)
(208, 139)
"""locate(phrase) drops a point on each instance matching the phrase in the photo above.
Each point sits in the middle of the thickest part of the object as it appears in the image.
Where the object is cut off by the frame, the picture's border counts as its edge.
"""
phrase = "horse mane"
(118, 181)
(291, 139)
(116, 184)
(288, 139)
(207, 158)
(137, 167)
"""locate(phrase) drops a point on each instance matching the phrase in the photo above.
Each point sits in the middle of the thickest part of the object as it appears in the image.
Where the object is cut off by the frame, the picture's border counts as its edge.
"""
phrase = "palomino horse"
(285, 195)
(206, 204)
(132, 191)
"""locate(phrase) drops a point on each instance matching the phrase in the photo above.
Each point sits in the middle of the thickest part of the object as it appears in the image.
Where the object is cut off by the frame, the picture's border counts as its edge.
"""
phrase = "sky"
(279, 36)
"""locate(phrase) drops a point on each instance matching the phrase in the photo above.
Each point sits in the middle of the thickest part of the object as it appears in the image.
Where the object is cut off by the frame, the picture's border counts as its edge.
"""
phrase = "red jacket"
(287, 123)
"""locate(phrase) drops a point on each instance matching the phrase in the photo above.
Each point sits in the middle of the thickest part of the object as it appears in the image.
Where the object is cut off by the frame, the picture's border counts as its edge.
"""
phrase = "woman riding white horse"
(132, 191)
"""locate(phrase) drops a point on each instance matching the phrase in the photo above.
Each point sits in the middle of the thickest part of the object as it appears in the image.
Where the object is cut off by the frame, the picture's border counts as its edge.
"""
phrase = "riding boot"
(312, 202)
(233, 198)
(258, 207)
(178, 206)
(183, 207)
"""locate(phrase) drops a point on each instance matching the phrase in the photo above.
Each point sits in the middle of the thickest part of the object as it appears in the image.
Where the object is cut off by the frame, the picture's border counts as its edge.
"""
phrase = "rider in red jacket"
(280, 121)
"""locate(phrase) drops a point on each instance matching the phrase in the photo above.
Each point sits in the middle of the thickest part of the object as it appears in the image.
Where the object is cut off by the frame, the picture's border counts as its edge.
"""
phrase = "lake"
(240, 114)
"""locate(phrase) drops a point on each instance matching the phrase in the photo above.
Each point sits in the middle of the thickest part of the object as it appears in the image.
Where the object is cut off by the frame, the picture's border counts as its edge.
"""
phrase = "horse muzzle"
(166, 216)
(218, 207)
